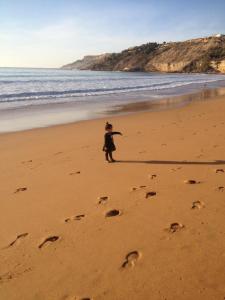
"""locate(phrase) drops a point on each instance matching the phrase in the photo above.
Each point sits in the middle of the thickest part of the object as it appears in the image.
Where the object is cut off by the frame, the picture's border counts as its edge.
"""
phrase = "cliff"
(196, 55)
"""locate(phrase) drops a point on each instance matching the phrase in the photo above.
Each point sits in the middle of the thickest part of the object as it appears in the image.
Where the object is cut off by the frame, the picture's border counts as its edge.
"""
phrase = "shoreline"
(167, 103)
(50, 98)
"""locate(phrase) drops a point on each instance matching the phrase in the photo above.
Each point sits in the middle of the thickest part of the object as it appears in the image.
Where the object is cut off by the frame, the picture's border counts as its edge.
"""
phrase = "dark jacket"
(109, 145)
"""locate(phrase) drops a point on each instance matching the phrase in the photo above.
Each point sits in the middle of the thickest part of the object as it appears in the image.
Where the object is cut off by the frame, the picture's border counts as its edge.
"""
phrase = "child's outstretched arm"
(116, 132)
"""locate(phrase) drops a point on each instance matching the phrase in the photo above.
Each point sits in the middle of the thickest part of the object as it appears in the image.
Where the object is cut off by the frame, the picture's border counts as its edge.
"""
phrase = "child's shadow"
(173, 162)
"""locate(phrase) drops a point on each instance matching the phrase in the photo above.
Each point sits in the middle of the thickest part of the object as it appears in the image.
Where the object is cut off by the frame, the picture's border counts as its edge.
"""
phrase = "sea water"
(31, 98)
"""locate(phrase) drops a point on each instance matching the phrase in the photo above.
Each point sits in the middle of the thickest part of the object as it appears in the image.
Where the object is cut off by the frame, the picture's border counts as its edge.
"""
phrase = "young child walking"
(109, 145)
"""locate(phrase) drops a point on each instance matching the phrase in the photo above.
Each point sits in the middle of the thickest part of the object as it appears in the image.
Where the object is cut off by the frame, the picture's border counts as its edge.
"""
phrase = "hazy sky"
(50, 33)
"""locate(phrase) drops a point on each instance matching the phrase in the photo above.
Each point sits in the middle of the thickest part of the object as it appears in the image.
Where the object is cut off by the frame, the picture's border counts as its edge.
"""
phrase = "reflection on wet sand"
(167, 103)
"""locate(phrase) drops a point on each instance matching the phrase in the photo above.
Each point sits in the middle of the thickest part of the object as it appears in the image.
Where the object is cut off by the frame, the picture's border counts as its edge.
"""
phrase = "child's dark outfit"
(109, 145)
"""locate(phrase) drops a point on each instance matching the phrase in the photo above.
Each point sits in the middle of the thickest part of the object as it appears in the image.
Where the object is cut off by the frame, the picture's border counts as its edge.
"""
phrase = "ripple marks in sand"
(50, 239)
(131, 259)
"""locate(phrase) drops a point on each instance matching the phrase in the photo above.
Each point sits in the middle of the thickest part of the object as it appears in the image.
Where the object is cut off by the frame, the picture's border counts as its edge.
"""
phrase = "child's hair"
(108, 126)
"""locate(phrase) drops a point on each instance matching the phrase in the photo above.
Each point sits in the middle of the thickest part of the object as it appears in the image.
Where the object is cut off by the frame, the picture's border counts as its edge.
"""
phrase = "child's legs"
(108, 154)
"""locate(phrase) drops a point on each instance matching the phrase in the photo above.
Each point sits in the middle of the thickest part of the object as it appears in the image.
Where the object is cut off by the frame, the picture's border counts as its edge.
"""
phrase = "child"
(109, 146)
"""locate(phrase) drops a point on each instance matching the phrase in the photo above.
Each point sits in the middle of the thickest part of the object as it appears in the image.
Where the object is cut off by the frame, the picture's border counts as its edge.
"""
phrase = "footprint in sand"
(197, 205)
(175, 227)
(6, 277)
(113, 213)
(152, 176)
(57, 153)
(82, 298)
(131, 259)
(219, 170)
(76, 298)
(150, 194)
(175, 169)
(220, 188)
(103, 199)
(191, 181)
(73, 173)
(22, 189)
(135, 188)
(12, 274)
(20, 236)
(27, 161)
(50, 239)
(74, 218)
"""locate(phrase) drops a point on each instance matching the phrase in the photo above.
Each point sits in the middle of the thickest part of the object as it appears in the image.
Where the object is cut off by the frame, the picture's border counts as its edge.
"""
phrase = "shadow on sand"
(173, 162)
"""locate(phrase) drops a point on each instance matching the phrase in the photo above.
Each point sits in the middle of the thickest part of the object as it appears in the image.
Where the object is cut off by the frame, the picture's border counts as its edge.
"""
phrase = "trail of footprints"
(132, 258)
(46, 241)
(174, 227)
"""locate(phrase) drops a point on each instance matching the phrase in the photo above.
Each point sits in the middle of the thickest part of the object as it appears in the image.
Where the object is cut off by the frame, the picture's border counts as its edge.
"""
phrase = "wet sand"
(32, 116)
(150, 226)
(167, 102)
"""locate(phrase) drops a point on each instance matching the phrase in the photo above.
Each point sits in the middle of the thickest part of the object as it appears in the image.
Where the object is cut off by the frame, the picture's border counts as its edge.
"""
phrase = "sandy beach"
(150, 226)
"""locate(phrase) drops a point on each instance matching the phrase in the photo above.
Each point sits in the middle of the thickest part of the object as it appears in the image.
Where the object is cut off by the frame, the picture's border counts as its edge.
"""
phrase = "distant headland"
(192, 56)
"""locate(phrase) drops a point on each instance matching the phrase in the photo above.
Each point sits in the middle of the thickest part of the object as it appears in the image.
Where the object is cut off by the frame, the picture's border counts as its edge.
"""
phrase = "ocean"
(31, 98)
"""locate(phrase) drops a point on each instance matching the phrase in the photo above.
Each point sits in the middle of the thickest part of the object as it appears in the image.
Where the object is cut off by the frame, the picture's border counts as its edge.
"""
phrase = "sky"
(51, 33)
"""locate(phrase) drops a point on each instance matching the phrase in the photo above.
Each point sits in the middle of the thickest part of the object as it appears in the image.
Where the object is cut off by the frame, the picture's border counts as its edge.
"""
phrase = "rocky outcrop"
(196, 55)
(218, 65)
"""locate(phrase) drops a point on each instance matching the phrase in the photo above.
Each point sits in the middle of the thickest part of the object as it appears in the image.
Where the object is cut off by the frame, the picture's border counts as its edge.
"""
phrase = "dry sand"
(56, 242)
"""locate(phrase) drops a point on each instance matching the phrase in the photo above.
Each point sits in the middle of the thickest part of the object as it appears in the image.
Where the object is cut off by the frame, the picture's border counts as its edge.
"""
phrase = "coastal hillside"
(87, 62)
(195, 55)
